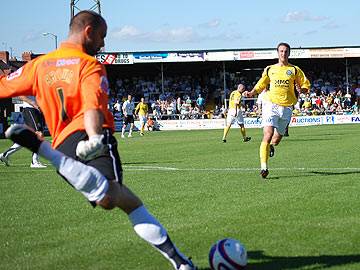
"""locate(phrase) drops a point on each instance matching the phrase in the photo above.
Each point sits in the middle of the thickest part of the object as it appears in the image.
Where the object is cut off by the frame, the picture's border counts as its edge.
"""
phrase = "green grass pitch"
(306, 215)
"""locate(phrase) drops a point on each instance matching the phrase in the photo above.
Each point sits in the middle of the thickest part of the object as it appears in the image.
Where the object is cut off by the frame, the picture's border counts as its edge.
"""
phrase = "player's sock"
(86, 179)
(14, 148)
(123, 132)
(243, 132)
(226, 131)
(54, 156)
(150, 229)
(264, 154)
(35, 158)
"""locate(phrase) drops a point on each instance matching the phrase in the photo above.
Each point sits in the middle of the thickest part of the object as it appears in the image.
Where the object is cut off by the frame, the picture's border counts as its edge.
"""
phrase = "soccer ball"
(227, 254)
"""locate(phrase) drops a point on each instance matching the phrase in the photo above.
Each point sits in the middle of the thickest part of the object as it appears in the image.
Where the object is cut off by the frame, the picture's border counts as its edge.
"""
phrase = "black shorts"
(108, 164)
(128, 119)
(33, 118)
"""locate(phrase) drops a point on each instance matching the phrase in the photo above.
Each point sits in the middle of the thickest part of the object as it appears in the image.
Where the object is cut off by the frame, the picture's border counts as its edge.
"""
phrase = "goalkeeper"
(71, 89)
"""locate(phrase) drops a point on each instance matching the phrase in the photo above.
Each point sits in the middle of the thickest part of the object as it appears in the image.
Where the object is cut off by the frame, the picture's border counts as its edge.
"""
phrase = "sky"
(160, 25)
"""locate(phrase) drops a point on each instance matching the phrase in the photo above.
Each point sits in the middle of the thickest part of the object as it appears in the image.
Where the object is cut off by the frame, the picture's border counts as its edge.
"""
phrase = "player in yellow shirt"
(279, 99)
(235, 114)
(141, 111)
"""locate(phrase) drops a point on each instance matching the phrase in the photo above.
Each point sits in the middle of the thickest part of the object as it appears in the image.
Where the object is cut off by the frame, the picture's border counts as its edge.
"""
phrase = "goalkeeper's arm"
(93, 121)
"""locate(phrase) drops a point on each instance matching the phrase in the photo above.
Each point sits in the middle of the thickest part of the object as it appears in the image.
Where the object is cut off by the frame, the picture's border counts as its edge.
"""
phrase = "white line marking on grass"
(150, 168)
(160, 168)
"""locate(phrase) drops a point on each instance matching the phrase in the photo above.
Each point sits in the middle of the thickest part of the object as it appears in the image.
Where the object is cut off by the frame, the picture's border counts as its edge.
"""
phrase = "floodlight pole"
(224, 70)
(347, 75)
(73, 6)
(54, 36)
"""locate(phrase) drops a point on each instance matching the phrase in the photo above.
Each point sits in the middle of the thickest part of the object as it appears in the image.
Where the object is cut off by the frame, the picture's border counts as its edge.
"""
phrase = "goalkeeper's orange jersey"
(66, 83)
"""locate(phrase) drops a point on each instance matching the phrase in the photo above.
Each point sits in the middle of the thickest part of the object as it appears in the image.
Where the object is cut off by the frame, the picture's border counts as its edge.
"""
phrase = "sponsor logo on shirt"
(14, 74)
(67, 62)
(282, 83)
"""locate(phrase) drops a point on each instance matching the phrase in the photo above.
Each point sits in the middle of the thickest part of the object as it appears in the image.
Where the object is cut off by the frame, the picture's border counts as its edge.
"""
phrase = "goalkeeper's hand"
(91, 148)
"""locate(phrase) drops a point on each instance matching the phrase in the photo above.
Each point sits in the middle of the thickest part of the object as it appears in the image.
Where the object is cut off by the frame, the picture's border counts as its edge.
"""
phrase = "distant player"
(128, 112)
(142, 111)
(234, 114)
(278, 101)
(34, 119)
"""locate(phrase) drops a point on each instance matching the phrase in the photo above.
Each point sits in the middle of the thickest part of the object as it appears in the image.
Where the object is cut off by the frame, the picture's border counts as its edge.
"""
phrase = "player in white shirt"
(34, 119)
(128, 111)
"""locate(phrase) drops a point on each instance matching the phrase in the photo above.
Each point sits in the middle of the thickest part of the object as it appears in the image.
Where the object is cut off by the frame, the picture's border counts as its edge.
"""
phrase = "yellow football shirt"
(234, 100)
(142, 108)
(282, 81)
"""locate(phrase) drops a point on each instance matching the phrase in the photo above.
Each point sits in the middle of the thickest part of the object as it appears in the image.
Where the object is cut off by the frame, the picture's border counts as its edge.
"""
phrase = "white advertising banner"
(296, 121)
(115, 58)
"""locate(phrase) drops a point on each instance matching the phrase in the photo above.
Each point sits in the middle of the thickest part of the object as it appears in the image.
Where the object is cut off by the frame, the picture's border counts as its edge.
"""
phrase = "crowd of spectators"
(199, 97)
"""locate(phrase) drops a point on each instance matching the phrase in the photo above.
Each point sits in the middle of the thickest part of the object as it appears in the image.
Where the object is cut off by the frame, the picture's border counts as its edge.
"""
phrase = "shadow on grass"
(336, 173)
(311, 174)
(315, 262)
(300, 262)
(311, 139)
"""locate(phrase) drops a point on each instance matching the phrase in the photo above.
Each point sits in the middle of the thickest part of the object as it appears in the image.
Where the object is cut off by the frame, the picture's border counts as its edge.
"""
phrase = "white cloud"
(125, 32)
(331, 25)
(182, 34)
(301, 16)
(211, 24)
(170, 35)
(33, 36)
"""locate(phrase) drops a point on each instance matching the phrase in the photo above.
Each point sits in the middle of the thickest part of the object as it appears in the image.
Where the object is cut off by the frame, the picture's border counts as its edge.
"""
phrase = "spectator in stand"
(307, 106)
(117, 106)
(355, 108)
(357, 93)
(200, 103)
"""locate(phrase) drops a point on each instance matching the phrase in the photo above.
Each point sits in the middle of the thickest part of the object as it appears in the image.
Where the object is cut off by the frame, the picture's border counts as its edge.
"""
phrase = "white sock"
(14, 148)
(264, 166)
(150, 229)
(86, 179)
(35, 158)
(147, 226)
(54, 156)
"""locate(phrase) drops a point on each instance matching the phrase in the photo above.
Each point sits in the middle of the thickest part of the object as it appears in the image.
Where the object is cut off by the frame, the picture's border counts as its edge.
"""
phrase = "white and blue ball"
(227, 254)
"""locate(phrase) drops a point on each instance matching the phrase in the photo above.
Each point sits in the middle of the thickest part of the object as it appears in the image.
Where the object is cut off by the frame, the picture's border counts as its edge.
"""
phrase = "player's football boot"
(224, 140)
(246, 139)
(25, 136)
(264, 173)
(37, 164)
(4, 159)
(188, 266)
(272, 150)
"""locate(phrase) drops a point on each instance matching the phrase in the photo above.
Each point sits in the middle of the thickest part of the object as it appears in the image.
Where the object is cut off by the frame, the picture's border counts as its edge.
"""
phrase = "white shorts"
(234, 116)
(142, 119)
(276, 116)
